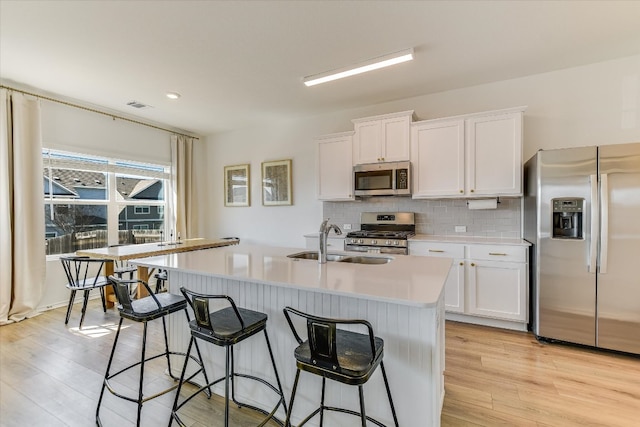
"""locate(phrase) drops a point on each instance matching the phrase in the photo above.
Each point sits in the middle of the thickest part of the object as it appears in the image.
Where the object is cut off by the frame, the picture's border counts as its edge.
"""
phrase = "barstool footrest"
(270, 415)
(343, 410)
(160, 393)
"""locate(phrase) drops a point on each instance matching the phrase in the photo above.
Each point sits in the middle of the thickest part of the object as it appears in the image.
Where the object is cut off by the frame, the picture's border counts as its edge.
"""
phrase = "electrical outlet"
(346, 226)
(461, 228)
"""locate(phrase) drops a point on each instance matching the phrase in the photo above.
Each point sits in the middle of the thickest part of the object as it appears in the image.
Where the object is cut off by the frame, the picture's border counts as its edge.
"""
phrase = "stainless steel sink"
(366, 260)
(314, 255)
(342, 258)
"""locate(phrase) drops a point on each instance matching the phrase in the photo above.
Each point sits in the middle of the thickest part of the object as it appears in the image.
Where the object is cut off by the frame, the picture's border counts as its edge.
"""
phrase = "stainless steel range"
(382, 232)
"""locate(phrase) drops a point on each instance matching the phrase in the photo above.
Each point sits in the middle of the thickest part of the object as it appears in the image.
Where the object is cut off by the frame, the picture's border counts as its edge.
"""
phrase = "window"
(91, 202)
(141, 210)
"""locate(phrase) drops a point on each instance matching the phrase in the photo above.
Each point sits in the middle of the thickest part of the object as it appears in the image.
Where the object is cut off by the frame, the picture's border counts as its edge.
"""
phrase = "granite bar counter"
(403, 299)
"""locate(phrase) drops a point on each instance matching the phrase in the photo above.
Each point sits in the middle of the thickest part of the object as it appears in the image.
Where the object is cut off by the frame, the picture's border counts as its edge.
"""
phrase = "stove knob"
(360, 241)
(395, 242)
(373, 242)
(388, 242)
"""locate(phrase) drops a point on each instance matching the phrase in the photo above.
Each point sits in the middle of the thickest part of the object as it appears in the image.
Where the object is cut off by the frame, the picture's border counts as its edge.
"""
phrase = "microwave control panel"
(402, 179)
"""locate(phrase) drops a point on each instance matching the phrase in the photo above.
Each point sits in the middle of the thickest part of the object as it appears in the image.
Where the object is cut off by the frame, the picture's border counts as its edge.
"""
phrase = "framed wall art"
(276, 183)
(237, 185)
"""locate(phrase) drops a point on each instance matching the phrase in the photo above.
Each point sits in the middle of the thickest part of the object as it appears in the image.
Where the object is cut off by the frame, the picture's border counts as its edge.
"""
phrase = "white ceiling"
(240, 64)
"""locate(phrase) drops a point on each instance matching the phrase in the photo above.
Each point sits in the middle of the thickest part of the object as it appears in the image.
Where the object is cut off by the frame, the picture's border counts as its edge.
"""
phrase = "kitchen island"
(403, 299)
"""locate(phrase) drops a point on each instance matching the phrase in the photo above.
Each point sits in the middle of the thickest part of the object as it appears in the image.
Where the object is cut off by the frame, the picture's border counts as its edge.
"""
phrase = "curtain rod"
(113, 116)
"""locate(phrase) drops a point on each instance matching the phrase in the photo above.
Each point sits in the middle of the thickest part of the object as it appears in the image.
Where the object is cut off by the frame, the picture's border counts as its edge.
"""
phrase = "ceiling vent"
(139, 105)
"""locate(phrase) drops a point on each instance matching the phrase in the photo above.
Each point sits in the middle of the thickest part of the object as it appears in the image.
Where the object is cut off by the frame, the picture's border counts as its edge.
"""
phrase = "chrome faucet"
(325, 228)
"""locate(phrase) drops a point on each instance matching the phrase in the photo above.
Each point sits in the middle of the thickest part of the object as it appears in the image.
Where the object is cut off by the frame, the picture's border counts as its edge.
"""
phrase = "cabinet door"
(455, 284)
(366, 142)
(437, 154)
(497, 289)
(395, 139)
(494, 155)
(335, 168)
(454, 288)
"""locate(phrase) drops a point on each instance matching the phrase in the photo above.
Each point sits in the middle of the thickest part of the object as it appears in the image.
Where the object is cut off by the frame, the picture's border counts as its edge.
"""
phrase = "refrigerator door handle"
(593, 246)
(604, 225)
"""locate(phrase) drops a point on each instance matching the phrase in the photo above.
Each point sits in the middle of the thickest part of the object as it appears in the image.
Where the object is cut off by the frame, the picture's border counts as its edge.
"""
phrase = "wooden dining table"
(128, 252)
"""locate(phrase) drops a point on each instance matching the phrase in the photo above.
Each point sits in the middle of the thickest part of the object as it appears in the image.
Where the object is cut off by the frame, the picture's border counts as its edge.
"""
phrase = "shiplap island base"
(403, 300)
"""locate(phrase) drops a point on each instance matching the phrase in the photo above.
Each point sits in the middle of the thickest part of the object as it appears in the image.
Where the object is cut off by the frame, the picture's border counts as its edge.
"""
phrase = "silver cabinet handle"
(593, 246)
(604, 222)
(497, 253)
(435, 250)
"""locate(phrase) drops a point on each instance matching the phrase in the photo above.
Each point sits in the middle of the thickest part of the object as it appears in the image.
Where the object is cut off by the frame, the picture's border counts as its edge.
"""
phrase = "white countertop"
(409, 280)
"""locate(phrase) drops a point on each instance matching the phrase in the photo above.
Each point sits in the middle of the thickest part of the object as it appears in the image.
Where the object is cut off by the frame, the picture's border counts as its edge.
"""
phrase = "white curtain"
(22, 237)
(182, 185)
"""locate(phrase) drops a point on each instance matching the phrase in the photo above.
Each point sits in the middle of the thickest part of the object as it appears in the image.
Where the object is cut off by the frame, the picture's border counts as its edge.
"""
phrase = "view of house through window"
(92, 202)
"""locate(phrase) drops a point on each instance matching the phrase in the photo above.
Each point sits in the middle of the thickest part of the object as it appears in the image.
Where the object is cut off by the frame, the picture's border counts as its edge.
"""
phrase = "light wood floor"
(497, 377)
(50, 375)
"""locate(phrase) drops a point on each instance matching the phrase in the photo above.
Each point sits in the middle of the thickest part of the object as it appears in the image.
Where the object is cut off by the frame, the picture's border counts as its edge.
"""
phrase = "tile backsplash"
(436, 217)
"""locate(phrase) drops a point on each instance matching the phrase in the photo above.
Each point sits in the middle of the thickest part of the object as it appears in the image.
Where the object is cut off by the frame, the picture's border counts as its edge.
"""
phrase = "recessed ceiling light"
(173, 95)
(362, 67)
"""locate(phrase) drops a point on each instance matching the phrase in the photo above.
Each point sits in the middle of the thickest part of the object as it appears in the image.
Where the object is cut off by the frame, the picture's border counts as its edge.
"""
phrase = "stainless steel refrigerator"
(582, 215)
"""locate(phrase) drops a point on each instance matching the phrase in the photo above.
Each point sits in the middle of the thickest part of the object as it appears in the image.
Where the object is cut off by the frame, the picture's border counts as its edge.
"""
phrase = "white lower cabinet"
(496, 289)
(487, 284)
(497, 282)
(454, 287)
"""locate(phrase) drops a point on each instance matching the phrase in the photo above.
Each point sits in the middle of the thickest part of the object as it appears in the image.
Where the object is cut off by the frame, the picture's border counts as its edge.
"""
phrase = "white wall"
(591, 105)
(71, 129)
(276, 225)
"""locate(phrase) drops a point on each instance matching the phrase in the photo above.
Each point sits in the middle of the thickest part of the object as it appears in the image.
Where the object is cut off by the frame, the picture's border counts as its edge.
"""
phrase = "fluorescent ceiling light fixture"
(363, 67)
(173, 95)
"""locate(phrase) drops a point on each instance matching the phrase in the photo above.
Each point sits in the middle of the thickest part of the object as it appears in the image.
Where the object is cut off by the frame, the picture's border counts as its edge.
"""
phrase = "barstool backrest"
(322, 342)
(200, 305)
(121, 289)
(321, 334)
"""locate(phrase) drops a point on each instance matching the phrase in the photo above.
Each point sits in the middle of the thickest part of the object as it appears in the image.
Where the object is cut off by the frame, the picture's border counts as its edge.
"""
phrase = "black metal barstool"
(122, 267)
(161, 279)
(226, 327)
(339, 355)
(143, 310)
(83, 274)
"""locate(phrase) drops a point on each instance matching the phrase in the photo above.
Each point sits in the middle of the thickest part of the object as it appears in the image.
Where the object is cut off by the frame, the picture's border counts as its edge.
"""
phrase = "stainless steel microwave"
(382, 179)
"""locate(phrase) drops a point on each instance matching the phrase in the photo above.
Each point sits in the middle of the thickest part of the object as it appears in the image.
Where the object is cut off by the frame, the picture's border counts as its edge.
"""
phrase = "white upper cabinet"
(437, 153)
(476, 155)
(335, 167)
(494, 155)
(382, 138)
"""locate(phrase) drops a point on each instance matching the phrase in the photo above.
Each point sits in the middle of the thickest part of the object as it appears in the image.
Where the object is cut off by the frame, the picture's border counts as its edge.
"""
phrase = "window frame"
(112, 168)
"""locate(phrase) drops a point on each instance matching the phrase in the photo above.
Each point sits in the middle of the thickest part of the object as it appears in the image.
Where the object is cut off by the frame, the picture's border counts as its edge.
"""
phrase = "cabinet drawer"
(449, 250)
(498, 253)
